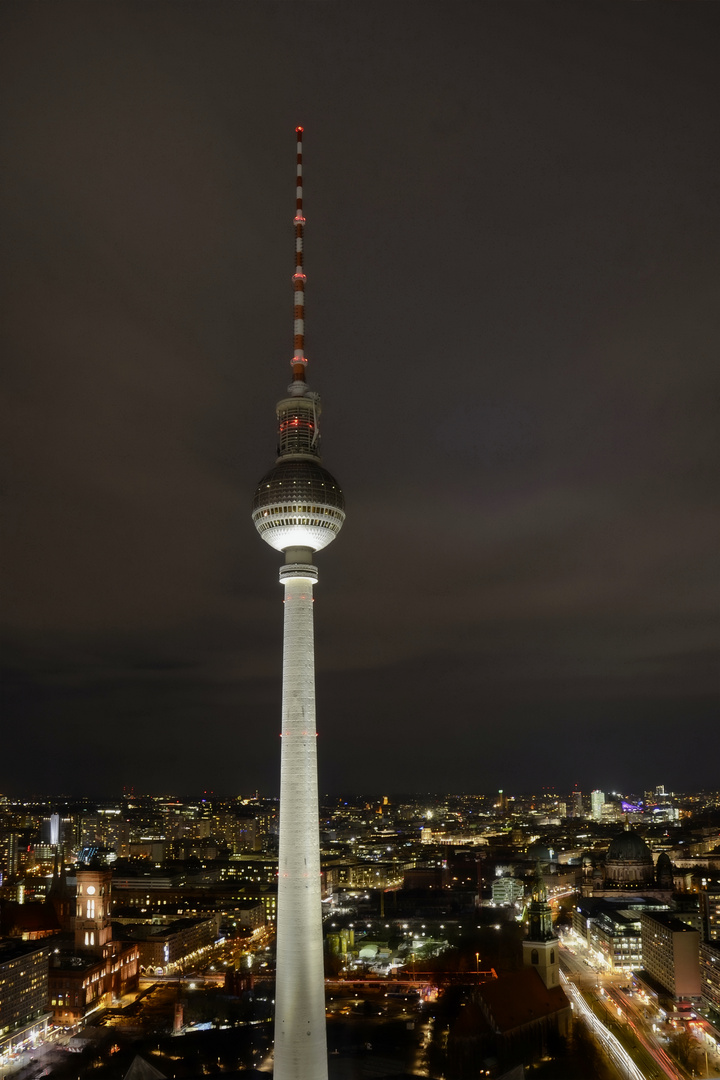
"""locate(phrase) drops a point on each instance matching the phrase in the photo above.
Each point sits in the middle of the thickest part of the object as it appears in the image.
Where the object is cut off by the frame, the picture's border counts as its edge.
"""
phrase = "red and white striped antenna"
(299, 359)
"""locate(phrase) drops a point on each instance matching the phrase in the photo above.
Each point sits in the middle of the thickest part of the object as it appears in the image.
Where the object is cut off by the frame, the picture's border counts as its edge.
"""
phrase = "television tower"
(299, 509)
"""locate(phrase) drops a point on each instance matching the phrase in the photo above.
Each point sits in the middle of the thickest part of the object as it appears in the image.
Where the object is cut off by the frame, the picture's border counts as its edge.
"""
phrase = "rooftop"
(14, 949)
(519, 998)
(676, 925)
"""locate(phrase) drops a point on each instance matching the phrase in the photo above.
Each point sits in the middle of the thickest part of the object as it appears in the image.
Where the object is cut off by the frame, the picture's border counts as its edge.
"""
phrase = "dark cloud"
(512, 319)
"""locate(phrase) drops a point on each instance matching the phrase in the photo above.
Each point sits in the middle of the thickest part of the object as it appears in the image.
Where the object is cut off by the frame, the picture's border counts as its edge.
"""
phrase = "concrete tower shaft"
(300, 1039)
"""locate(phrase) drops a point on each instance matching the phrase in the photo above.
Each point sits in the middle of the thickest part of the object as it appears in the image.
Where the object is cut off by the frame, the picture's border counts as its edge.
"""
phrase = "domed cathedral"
(629, 868)
(629, 861)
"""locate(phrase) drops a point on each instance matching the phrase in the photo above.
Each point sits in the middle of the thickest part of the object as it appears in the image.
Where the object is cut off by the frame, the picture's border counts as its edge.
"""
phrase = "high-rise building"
(710, 911)
(299, 509)
(597, 801)
(9, 856)
(23, 991)
(670, 953)
(50, 831)
(710, 974)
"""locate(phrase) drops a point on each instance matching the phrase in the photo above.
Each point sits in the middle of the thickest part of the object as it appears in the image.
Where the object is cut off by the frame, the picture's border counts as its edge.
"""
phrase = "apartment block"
(671, 954)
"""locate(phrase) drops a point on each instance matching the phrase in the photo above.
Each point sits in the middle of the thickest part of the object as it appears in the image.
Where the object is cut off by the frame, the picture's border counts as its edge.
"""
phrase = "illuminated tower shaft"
(300, 1041)
(299, 509)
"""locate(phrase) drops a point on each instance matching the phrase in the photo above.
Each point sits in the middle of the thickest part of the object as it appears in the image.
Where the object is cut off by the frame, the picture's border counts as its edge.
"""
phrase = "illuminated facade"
(93, 931)
(670, 953)
(171, 947)
(506, 890)
(23, 992)
(710, 912)
(81, 984)
(710, 974)
(615, 934)
(597, 801)
(98, 970)
(299, 509)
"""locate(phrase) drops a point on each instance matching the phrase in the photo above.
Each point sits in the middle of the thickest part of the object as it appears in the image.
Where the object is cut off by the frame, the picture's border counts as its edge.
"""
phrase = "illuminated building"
(710, 974)
(506, 890)
(93, 931)
(710, 911)
(9, 856)
(597, 801)
(98, 970)
(23, 992)
(628, 869)
(168, 948)
(670, 952)
(615, 934)
(299, 509)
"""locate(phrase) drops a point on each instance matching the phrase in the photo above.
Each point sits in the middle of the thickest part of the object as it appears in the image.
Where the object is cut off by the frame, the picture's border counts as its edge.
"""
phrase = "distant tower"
(54, 829)
(59, 894)
(664, 873)
(540, 948)
(299, 509)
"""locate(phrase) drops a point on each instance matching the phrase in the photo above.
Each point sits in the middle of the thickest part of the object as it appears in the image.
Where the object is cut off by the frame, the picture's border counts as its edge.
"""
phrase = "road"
(611, 1046)
(620, 1014)
(642, 1032)
(37, 1062)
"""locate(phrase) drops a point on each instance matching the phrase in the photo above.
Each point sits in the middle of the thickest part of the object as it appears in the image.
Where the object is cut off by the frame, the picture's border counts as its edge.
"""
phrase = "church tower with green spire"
(540, 948)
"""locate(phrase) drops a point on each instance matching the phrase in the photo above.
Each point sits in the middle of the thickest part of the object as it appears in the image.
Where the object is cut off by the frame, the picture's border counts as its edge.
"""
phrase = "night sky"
(513, 261)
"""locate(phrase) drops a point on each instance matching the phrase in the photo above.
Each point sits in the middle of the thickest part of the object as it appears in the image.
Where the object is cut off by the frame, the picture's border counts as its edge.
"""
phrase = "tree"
(685, 1048)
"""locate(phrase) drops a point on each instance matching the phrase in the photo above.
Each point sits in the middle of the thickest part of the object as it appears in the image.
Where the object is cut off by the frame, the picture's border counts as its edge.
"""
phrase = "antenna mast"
(299, 359)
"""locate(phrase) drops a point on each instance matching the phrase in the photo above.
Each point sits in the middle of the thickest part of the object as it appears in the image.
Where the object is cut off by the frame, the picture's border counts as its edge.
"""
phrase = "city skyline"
(546, 796)
(515, 331)
(429, 905)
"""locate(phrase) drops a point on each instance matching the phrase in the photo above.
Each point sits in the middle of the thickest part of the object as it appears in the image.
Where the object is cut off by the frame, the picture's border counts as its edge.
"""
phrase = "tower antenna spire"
(299, 359)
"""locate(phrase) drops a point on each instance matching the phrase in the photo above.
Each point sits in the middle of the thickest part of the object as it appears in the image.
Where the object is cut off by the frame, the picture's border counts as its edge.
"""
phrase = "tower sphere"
(298, 504)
